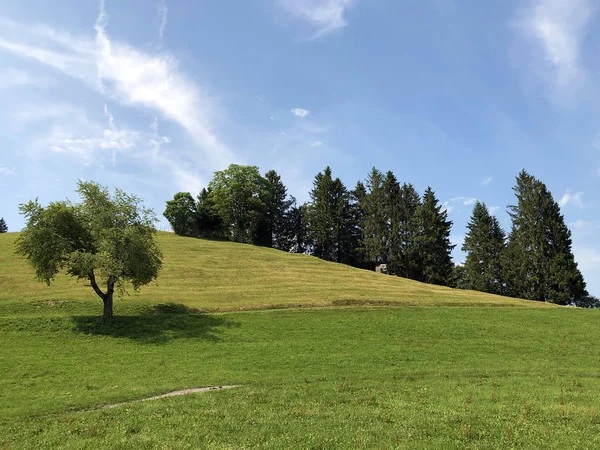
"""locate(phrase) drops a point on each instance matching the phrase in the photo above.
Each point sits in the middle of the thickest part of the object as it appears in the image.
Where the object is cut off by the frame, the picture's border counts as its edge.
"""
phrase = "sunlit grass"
(321, 361)
(225, 276)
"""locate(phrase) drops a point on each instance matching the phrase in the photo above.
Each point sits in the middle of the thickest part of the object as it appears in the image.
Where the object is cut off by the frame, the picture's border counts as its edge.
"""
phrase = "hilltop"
(209, 275)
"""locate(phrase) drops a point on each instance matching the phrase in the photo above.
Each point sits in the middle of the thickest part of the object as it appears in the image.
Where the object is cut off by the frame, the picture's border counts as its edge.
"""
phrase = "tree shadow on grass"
(157, 325)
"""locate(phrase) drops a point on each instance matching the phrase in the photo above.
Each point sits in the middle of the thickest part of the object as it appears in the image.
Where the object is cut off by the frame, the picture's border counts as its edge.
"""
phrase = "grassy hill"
(225, 276)
(382, 363)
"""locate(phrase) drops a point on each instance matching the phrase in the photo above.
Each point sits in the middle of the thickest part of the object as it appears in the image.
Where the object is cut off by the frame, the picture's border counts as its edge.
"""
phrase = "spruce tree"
(321, 217)
(332, 224)
(433, 241)
(295, 232)
(409, 264)
(392, 221)
(374, 223)
(272, 227)
(210, 223)
(3, 227)
(539, 263)
(484, 244)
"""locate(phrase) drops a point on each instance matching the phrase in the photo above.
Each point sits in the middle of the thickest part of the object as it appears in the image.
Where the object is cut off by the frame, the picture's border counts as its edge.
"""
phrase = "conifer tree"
(409, 264)
(295, 233)
(210, 223)
(3, 227)
(539, 263)
(392, 223)
(484, 244)
(433, 241)
(272, 227)
(374, 223)
(331, 219)
(321, 216)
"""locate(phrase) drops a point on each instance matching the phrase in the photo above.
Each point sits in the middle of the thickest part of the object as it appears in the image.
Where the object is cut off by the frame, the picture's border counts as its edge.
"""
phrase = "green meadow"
(325, 356)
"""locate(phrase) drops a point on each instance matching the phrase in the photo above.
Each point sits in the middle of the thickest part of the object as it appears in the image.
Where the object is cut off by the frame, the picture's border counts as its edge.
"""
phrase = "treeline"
(383, 221)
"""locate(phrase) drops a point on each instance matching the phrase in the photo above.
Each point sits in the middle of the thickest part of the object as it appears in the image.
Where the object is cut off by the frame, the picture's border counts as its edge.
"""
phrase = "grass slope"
(325, 378)
(209, 275)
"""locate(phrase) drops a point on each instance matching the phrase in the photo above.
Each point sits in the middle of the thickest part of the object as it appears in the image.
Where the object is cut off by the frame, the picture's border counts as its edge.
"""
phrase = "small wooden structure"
(381, 268)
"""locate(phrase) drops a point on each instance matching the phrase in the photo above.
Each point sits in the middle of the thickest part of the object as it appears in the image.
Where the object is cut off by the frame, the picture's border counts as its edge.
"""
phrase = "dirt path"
(158, 397)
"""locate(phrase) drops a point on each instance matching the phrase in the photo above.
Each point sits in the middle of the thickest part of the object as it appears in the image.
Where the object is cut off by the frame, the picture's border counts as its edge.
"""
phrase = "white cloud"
(451, 204)
(30, 113)
(464, 200)
(325, 15)
(11, 77)
(575, 199)
(446, 206)
(300, 112)
(494, 209)
(557, 28)
(126, 74)
(316, 144)
(163, 12)
(487, 181)
(7, 171)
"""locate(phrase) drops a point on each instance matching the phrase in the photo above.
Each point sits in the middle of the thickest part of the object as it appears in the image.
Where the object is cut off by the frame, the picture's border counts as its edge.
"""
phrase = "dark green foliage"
(484, 244)
(295, 232)
(332, 220)
(106, 239)
(459, 277)
(182, 215)
(433, 241)
(374, 220)
(539, 263)
(588, 301)
(3, 227)
(407, 263)
(209, 222)
(272, 232)
(238, 194)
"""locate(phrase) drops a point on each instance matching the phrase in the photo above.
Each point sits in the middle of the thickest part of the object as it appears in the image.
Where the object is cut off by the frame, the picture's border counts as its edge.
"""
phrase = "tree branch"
(97, 290)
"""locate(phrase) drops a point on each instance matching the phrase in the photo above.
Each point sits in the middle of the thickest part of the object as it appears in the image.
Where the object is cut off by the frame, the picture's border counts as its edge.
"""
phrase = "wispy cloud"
(464, 200)
(487, 181)
(556, 27)
(326, 16)
(11, 77)
(494, 209)
(300, 112)
(163, 12)
(451, 204)
(126, 74)
(316, 144)
(570, 198)
(6, 170)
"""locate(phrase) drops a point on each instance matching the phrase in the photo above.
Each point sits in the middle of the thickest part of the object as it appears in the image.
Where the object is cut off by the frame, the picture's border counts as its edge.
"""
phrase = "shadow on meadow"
(158, 324)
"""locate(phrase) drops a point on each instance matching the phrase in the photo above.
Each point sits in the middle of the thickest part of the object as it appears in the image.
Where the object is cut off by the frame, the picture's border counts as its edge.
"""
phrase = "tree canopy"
(539, 263)
(484, 244)
(107, 239)
(3, 226)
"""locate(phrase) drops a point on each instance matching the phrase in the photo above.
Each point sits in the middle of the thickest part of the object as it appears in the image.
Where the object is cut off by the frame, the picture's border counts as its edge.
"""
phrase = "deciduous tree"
(107, 239)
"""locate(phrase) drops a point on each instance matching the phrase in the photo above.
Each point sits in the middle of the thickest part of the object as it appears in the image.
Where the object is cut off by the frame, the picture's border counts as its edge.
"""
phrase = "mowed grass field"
(325, 356)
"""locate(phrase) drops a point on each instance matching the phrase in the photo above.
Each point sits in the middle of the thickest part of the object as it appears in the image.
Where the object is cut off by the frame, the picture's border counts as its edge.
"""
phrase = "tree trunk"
(108, 299)
(108, 305)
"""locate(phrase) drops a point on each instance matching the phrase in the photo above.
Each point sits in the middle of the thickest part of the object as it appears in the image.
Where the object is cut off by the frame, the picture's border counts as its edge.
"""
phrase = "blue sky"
(154, 96)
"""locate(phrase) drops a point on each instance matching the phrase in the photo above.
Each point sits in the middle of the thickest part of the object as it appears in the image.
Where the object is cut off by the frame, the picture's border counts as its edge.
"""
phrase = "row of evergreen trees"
(382, 221)
(534, 261)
